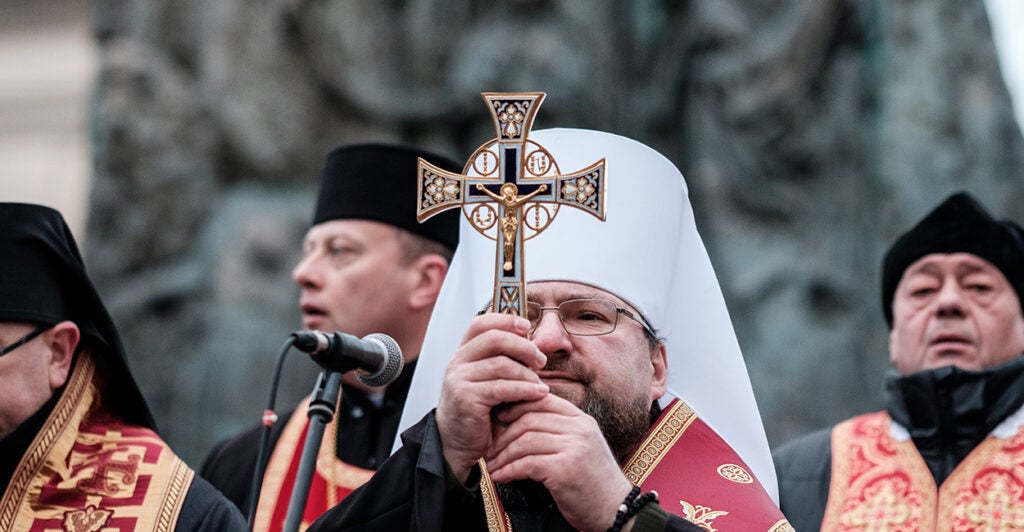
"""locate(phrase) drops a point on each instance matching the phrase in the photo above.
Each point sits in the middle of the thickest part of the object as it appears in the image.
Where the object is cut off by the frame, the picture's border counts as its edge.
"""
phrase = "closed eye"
(922, 292)
(339, 250)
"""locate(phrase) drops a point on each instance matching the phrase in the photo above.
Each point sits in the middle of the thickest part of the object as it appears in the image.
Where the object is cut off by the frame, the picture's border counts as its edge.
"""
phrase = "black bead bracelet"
(631, 506)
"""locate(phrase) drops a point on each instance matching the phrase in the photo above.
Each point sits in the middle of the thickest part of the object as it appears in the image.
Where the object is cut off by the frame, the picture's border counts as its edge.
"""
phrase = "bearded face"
(613, 375)
(624, 421)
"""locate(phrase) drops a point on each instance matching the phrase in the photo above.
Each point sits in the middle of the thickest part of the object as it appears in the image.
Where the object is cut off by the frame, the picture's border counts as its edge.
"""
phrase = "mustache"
(570, 366)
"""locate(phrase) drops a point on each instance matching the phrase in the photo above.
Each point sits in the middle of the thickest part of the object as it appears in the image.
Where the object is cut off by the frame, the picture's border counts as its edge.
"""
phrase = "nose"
(950, 301)
(305, 273)
(549, 335)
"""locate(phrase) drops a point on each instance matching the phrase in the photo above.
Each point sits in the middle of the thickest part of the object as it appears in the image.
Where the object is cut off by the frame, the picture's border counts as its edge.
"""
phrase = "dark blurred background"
(811, 133)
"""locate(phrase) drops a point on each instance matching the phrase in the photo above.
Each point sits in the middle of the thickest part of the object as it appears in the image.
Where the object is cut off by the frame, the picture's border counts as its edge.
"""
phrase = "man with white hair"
(562, 420)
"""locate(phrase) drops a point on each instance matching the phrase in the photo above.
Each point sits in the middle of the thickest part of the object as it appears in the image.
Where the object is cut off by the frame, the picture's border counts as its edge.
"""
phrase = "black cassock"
(205, 510)
(415, 490)
(366, 432)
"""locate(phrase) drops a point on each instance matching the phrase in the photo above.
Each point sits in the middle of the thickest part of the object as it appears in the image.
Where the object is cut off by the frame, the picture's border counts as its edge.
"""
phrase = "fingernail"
(541, 387)
(522, 325)
(541, 358)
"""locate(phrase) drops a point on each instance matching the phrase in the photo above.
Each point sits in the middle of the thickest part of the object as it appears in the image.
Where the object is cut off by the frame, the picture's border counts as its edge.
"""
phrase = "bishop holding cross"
(599, 434)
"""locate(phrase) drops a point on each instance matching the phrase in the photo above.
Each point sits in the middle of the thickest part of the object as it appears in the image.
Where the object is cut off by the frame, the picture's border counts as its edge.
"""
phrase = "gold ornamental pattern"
(735, 473)
(510, 190)
(649, 454)
(701, 516)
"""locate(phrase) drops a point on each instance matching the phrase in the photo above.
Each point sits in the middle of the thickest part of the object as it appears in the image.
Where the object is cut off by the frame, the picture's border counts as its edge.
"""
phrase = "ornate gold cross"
(523, 179)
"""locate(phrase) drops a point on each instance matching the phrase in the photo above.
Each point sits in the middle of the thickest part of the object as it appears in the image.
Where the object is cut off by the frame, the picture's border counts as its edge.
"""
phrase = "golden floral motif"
(440, 190)
(735, 473)
(883, 508)
(579, 191)
(701, 515)
(512, 118)
(994, 503)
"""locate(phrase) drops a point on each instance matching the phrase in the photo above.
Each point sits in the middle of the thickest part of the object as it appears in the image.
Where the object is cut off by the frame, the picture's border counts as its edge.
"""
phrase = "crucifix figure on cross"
(511, 202)
(522, 179)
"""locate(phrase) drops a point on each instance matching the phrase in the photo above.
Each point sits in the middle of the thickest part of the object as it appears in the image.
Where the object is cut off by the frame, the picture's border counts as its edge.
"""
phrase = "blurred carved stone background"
(47, 61)
(811, 132)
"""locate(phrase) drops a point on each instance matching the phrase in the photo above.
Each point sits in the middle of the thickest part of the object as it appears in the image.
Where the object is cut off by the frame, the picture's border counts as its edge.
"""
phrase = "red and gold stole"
(332, 479)
(879, 483)
(696, 474)
(87, 471)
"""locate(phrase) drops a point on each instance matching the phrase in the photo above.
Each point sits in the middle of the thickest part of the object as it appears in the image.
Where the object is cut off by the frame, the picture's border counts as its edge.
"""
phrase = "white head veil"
(648, 253)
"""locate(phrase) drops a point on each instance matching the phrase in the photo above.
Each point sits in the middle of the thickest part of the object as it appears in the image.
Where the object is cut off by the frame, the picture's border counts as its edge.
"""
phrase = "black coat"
(205, 510)
(804, 468)
(414, 490)
(366, 433)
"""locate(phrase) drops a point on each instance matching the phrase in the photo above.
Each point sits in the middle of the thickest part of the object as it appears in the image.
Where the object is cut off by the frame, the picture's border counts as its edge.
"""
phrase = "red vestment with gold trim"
(880, 483)
(87, 471)
(697, 475)
(332, 479)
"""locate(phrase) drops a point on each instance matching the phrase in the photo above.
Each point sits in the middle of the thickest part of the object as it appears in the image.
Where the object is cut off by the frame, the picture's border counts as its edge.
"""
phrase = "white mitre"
(647, 252)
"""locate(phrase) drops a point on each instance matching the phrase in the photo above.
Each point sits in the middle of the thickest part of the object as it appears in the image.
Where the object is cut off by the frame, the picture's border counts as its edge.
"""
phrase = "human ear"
(61, 340)
(428, 272)
(659, 379)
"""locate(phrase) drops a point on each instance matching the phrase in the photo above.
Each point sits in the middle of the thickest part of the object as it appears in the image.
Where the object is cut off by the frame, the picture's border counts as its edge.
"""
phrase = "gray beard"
(624, 421)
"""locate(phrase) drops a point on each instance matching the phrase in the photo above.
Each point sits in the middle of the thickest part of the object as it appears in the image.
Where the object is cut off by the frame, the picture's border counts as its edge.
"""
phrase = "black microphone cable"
(269, 418)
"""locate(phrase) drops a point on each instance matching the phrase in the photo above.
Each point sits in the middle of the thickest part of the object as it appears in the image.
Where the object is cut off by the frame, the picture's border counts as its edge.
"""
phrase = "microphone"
(377, 353)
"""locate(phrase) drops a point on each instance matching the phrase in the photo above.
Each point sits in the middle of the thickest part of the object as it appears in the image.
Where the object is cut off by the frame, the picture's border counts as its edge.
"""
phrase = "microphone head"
(393, 363)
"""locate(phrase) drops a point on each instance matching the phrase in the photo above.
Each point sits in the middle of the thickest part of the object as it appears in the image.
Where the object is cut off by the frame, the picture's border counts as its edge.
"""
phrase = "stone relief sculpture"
(808, 130)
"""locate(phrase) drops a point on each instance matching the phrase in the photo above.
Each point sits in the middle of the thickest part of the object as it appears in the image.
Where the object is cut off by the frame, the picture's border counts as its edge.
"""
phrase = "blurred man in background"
(368, 267)
(946, 453)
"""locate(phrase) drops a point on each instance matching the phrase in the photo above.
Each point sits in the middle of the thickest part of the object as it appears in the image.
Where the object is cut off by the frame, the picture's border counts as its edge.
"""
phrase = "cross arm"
(437, 190)
(584, 189)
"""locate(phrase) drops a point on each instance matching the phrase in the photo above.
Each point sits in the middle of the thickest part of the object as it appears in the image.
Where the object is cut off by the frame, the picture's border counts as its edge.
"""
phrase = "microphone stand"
(321, 412)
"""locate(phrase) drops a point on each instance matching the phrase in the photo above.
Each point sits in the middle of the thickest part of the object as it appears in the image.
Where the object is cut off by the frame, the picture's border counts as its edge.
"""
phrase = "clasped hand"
(541, 436)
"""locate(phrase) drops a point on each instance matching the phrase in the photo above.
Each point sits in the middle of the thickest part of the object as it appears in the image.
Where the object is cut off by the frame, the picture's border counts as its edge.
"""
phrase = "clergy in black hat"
(949, 438)
(70, 411)
(378, 182)
(368, 267)
(958, 225)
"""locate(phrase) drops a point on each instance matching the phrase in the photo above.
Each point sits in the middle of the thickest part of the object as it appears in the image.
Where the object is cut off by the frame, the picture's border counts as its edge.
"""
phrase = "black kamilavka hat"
(378, 182)
(958, 225)
(43, 280)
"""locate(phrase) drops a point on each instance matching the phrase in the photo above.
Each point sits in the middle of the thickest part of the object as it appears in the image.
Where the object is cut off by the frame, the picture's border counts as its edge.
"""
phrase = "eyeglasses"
(585, 317)
(23, 340)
